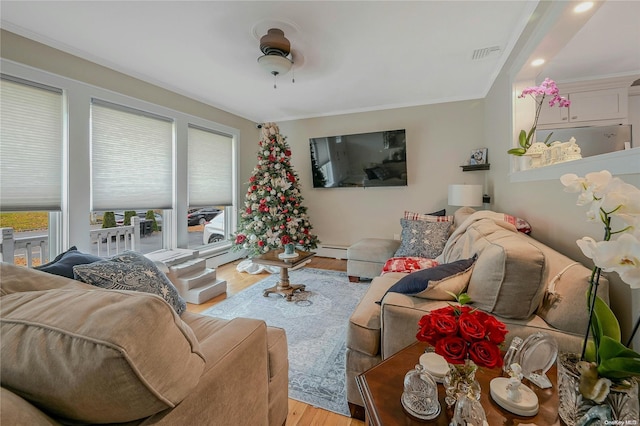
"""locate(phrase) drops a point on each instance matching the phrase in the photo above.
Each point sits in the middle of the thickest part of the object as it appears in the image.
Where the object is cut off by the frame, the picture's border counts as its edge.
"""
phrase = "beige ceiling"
(349, 56)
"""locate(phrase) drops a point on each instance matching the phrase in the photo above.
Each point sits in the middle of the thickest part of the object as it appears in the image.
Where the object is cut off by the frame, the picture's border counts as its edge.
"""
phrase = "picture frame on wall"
(478, 156)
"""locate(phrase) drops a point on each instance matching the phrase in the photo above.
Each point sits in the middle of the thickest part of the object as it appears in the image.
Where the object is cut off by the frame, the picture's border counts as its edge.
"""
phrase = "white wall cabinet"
(587, 106)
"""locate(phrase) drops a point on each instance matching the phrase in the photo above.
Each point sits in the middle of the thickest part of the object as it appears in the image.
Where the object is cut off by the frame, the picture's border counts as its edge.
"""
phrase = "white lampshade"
(275, 64)
(465, 195)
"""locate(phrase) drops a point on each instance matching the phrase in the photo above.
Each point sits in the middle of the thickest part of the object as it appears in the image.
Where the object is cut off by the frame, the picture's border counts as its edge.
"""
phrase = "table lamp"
(465, 195)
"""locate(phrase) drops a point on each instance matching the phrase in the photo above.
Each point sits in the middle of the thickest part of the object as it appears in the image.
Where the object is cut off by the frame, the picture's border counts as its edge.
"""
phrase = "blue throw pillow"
(63, 263)
(131, 271)
(436, 283)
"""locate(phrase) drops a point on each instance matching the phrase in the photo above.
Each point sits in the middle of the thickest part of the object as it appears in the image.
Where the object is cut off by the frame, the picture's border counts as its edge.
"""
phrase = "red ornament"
(287, 152)
(282, 226)
(261, 243)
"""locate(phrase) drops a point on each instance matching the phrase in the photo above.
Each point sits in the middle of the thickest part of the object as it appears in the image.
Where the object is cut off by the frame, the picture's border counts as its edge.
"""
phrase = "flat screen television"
(359, 160)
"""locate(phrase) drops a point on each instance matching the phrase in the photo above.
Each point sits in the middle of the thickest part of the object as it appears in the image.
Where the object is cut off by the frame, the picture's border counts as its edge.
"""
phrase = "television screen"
(359, 160)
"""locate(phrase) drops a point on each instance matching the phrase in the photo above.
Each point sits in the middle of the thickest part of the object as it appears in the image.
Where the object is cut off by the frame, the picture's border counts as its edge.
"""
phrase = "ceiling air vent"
(484, 52)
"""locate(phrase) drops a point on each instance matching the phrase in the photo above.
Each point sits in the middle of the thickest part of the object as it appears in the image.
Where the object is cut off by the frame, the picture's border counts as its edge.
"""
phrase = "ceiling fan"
(276, 58)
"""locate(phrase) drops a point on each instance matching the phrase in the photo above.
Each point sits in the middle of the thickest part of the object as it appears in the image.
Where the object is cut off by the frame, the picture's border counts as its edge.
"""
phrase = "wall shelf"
(472, 167)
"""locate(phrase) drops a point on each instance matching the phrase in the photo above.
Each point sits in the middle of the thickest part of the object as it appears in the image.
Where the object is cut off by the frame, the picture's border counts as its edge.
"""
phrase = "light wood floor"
(300, 414)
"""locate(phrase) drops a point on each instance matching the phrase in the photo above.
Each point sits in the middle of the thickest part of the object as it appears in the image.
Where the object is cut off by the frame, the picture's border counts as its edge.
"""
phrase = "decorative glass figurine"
(535, 354)
(420, 396)
(468, 411)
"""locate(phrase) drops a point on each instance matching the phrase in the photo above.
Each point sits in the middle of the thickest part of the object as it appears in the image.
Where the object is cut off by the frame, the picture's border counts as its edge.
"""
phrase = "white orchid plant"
(610, 199)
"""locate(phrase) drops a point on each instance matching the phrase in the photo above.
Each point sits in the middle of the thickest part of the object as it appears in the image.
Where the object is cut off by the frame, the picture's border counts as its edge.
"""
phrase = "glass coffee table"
(274, 258)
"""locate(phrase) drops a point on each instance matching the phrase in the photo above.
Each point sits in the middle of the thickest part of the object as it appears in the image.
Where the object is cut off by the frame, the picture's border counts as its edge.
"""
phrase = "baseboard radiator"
(337, 251)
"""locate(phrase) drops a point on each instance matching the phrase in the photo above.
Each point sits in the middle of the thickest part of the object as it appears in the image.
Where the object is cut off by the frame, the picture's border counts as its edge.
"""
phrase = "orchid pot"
(620, 403)
(547, 88)
(601, 384)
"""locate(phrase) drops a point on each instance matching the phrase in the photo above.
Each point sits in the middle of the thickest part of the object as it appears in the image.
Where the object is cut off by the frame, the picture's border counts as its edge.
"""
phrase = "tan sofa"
(525, 284)
(76, 354)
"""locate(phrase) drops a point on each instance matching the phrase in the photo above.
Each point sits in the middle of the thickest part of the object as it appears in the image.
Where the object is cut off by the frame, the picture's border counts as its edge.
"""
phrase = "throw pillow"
(407, 264)
(63, 263)
(427, 217)
(520, 224)
(436, 283)
(131, 271)
(442, 212)
(422, 239)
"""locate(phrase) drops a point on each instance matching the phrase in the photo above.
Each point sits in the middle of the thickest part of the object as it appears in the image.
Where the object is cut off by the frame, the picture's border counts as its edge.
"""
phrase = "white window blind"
(31, 146)
(321, 148)
(210, 168)
(131, 158)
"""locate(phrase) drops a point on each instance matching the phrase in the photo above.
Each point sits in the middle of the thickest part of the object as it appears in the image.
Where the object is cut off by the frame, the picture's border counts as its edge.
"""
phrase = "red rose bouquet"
(459, 333)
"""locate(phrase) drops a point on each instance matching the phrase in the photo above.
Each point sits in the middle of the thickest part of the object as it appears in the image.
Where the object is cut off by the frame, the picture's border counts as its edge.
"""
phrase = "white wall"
(553, 214)
(439, 139)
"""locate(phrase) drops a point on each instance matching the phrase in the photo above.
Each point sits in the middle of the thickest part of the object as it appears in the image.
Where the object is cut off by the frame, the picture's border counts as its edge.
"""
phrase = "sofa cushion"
(97, 356)
(377, 250)
(422, 238)
(363, 330)
(438, 282)
(15, 410)
(63, 263)
(509, 276)
(131, 271)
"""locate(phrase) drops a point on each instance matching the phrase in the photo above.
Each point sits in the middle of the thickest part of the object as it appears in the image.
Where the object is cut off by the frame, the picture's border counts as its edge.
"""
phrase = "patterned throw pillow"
(131, 271)
(407, 264)
(422, 239)
(520, 224)
(427, 217)
(436, 283)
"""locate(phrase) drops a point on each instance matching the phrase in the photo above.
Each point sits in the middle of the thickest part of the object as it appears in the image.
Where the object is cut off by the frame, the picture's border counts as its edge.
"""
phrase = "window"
(210, 175)
(131, 173)
(32, 143)
(114, 154)
(31, 165)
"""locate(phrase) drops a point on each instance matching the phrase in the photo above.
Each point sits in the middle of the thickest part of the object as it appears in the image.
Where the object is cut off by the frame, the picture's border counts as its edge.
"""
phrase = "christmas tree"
(273, 212)
(319, 180)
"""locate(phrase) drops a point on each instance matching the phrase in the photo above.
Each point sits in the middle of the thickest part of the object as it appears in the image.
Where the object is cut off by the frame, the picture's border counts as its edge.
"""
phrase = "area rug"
(316, 325)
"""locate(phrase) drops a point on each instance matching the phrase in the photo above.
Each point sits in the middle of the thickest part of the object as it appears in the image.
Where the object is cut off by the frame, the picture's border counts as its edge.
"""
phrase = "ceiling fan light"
(275, 64)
